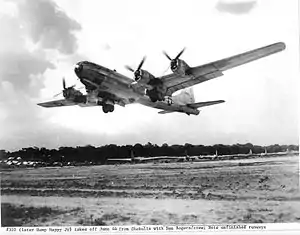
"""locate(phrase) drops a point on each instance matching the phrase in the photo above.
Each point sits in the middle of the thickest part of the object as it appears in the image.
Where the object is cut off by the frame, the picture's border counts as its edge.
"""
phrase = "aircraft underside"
(107, 87)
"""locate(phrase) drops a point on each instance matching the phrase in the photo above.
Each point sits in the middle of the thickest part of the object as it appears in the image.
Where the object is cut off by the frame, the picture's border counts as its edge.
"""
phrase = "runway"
(261, 190)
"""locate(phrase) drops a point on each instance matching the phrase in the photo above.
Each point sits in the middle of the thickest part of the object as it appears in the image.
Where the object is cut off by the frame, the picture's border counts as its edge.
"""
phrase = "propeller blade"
(64, 83)
(180, 53)
(141, 64)
(57, 94)
(167, 69)
(129, 68)
(165, 53)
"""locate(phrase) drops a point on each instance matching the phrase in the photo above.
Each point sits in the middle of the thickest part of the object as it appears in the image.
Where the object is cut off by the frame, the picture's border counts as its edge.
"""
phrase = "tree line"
(101, 154)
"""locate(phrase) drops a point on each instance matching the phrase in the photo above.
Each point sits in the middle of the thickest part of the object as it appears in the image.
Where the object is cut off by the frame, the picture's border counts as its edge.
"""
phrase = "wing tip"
(219, 101)
(47, 105)
(42, 105)
(281, 45)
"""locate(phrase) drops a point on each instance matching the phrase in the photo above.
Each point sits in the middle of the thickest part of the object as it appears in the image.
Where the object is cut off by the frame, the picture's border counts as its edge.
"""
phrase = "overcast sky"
(42, 40)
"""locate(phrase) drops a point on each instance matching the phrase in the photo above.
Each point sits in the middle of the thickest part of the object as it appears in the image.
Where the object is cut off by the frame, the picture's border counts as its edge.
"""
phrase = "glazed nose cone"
(78, 68)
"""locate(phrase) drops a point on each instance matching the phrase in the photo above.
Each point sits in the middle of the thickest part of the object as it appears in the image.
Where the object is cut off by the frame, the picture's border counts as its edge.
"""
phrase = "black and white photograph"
(149, 113)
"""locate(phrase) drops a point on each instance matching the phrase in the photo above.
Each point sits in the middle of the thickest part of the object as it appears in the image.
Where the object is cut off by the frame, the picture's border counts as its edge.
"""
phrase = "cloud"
(106, 47)
(235, 7)
(39, 25)
(24, 71)
(20, 67)
(48, 25)
(30, 37)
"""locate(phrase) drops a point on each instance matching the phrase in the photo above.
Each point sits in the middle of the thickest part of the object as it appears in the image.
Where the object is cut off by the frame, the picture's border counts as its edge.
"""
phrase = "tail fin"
(186, 96)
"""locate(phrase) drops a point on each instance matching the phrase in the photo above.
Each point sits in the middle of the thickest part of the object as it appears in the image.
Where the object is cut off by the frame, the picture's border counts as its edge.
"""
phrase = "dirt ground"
(262, 190)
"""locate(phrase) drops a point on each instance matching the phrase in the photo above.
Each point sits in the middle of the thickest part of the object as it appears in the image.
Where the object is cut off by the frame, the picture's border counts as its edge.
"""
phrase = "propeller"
(65, 88)
(64, 83)
(174, 62)
(166, 70)
(138, 71)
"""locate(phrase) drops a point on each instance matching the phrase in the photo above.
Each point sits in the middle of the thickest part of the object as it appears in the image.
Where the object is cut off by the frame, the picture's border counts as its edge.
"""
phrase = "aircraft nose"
(78, 68)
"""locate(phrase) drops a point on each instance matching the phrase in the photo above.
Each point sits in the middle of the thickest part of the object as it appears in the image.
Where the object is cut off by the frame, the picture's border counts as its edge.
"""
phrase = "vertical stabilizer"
(186, 96)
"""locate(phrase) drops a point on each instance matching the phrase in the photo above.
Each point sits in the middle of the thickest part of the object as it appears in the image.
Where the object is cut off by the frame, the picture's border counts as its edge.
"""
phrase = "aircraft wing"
(119, 159)
(146, 159)
(203, 73)
(57, 103)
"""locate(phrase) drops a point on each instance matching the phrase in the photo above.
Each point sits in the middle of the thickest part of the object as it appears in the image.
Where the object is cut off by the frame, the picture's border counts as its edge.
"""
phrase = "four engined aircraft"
(105, 87)
(134, 159)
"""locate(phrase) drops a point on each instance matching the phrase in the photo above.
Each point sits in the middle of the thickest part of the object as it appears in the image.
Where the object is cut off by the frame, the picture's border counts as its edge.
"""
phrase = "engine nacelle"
(74, 95)
(143, 77)
(154, 86)
(179, 67)
(71, 93)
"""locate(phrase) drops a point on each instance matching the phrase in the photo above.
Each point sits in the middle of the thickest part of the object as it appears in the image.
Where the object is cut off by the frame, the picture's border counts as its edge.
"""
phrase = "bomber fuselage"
(106, 82)
(117, 87)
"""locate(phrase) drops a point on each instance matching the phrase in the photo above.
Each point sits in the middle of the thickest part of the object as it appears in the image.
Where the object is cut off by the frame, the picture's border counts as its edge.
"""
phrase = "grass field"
(249, 191)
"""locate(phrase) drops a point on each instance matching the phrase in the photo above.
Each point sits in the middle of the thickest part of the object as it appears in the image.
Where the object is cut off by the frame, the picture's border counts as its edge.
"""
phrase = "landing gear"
(169, 100)
(108, 108)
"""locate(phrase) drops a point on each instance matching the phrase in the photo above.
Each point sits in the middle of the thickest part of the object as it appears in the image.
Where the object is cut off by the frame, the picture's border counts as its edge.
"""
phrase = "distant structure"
(187, 157)
(265, 153)
(214, 157)
(133, 160)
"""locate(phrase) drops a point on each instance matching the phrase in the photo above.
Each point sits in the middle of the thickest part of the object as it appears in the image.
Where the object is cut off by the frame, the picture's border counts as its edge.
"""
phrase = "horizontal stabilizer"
(203, 104)
(165, 111)
(192, 107)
